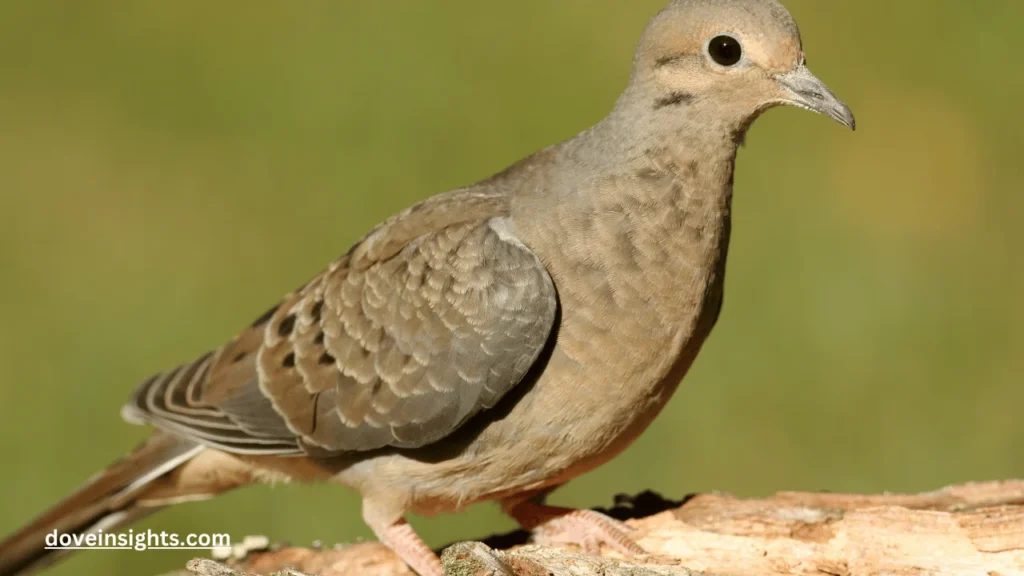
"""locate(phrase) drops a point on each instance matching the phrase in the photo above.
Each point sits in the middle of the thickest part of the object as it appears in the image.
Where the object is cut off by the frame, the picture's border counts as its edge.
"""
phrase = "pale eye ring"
(725, 50)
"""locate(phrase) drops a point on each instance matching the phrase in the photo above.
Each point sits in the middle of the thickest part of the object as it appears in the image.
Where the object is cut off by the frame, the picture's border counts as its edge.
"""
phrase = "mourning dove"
(492, 342)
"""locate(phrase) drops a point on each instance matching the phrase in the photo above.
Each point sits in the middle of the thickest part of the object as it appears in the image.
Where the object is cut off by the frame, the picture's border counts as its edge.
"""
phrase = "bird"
(492, 342)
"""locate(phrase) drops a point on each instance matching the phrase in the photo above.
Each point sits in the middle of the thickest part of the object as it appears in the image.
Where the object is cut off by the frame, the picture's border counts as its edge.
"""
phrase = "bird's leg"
(587, 529)
(402, 539)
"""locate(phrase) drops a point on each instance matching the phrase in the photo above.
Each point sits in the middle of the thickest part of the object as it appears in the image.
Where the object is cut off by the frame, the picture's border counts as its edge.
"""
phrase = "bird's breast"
(640, 284)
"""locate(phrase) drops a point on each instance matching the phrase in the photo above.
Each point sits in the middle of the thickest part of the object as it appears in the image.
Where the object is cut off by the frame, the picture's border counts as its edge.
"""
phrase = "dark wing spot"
(326, 359)
(265, 317)
(316, 402)
(239, 357)
(317, 310)
(673, 99)
(287, 325)
(289, 360)
(319, 340)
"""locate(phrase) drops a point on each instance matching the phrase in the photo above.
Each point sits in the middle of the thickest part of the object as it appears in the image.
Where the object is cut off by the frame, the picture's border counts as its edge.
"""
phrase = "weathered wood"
(973, 529)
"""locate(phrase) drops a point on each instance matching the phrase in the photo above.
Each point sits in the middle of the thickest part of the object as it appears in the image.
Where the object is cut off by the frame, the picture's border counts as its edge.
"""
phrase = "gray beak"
(806, 91)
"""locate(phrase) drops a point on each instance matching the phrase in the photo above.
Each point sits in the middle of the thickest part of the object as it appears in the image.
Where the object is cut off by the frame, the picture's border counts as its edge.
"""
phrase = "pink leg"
(585, 528)
(401, 538)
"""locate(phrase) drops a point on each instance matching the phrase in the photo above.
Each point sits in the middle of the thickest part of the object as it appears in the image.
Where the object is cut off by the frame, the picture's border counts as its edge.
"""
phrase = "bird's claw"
(588, 530)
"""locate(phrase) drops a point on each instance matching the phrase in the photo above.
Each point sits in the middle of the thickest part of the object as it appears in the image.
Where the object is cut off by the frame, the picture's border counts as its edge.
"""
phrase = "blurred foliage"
(168, 169)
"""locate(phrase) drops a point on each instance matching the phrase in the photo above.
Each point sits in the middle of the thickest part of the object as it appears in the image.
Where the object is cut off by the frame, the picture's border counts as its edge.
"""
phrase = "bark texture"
(972, 529)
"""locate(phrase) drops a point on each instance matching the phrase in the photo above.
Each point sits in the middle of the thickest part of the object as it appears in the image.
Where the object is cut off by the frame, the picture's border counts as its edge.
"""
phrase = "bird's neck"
(644, 210)
(681, 126)
(648, 165)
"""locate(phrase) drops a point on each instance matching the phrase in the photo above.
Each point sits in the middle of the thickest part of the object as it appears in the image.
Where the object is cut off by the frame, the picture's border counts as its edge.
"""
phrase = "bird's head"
(731, 60)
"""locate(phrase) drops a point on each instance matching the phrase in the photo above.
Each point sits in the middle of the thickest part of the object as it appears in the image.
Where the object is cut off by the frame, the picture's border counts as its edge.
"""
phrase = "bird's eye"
(725, 50)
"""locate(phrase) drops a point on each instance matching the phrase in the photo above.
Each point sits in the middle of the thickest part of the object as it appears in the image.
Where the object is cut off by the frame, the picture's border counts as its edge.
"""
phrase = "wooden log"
(974, 529)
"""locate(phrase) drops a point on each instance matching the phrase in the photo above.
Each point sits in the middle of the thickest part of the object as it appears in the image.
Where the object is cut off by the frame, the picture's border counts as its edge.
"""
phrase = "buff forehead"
(769, 35)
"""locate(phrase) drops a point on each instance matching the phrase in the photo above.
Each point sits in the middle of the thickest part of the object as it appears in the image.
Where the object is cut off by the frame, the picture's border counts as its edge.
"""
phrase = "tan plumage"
(493, 342)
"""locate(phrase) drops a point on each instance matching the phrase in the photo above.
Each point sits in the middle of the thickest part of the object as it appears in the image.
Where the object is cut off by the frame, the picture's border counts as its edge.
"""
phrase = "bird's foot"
(588, 530)
(409, 547)
(584, 528)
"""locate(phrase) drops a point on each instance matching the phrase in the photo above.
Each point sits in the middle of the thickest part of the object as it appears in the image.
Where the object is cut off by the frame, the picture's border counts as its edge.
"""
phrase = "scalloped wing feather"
(430, 319)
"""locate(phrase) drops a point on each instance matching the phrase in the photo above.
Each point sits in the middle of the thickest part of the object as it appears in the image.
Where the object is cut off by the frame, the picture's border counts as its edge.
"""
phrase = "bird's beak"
(804, 90)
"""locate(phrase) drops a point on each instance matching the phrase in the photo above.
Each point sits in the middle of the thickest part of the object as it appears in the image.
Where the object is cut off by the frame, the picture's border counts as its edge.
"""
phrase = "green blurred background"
(169, 169)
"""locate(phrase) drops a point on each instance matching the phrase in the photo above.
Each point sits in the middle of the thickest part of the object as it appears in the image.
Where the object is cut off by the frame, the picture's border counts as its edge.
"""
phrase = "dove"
(489, 343)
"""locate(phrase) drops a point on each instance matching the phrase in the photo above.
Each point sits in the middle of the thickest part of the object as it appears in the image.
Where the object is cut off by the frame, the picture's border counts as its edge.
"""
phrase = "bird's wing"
(432, 317)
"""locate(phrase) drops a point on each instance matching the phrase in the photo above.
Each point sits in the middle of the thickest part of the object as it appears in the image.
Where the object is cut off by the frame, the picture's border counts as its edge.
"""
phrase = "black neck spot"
(673, 99)
(666, 60)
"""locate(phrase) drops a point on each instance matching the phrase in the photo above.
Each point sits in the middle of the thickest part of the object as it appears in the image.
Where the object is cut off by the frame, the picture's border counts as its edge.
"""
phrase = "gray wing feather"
(412, 346)
(432, 318)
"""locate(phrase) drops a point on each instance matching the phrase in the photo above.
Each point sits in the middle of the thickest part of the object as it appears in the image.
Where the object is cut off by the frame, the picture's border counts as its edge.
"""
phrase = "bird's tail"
(113, 498)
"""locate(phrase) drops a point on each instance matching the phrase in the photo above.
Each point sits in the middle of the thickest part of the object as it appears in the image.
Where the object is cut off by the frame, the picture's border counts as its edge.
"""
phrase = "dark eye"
(725, 50)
